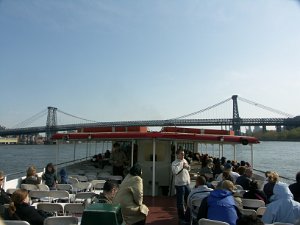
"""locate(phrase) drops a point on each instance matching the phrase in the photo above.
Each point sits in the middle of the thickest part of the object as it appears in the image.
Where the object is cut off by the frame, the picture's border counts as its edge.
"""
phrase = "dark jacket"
(4, 197)
(32, 180)
(50, 179)
(244, 181)
(295, 189)
(102, 198)
(27, 213)
(256, 194)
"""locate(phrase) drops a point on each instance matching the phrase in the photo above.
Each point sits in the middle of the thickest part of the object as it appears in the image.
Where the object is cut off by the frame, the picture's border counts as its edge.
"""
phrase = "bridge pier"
(278, 128)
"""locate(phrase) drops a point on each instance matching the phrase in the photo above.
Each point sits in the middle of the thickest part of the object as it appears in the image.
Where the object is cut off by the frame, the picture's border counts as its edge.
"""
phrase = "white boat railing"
(13, 180)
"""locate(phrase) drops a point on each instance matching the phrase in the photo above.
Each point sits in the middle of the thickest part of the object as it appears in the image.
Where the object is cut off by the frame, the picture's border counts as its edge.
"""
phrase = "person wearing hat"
(130, 197)
(180, 170)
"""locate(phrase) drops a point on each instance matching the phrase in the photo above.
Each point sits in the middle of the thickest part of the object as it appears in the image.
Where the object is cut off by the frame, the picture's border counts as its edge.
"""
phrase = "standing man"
(180, 169)
(118, 160)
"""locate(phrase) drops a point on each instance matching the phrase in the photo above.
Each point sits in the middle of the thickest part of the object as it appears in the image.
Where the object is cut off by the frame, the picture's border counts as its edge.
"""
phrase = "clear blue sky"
(151, 59)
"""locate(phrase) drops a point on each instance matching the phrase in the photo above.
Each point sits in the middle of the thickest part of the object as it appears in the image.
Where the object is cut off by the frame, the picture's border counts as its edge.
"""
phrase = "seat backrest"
(260, 211)
(11, 190)
(249, 212)
(280, 223)
(40, 195)
(73, 208)
(64, 187)
(60, 194)
(61, 220)
(252, 203)
(56, 208)
(15, 222)
(211, 222)
(43, 187)
(73, 180)
(29, 187)
(84, 195)
(97, 182)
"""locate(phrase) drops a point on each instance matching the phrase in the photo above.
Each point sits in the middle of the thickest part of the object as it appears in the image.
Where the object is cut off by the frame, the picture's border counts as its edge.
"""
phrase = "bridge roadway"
(292, 122)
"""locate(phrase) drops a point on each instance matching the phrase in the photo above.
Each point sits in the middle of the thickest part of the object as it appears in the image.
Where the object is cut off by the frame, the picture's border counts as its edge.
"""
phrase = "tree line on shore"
(272, 135)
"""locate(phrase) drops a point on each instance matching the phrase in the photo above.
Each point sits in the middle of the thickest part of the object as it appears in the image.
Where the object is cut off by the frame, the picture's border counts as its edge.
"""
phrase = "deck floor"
(162, 210)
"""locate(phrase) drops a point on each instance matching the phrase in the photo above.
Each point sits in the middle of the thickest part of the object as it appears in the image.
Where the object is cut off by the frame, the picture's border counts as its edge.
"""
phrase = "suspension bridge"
(235, 122)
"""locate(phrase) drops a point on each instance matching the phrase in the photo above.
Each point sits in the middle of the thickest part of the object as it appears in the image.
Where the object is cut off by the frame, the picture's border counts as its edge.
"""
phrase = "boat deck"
(162, 210)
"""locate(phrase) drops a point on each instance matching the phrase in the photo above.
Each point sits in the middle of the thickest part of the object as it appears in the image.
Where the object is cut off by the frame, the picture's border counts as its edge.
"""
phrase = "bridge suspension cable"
(265, 107)
(30, 120)
(77, 117)
(202, 110)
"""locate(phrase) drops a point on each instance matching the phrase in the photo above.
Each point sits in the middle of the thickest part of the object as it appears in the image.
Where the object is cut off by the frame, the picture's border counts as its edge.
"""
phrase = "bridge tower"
(51, 123)
(236, 120)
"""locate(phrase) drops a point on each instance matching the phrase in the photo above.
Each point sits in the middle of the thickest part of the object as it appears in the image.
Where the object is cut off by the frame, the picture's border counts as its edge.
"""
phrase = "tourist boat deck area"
(153, 150)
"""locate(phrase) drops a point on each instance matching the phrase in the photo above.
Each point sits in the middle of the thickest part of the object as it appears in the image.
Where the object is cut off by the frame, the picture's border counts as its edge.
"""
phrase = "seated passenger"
(63, 176)
(220, 204)
(228, 168)
(31, 176)
(20, 209)
(199, 192)
(255, 193)
(295, 188)
(282, 208)
(50, 177)
(130, 197)
(4, 197)
(273, 178)
(245, 179)
(110, 190)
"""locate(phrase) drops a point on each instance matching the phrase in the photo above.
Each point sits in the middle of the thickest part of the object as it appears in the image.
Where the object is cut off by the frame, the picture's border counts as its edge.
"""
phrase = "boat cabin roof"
(167, 133)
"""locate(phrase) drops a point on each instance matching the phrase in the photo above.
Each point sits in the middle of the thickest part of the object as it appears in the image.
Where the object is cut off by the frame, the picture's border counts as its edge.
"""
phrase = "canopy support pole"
(153, 167)
(132, 151)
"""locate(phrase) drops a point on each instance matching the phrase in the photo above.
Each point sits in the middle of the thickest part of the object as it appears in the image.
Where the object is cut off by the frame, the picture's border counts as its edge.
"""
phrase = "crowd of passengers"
(223, 201)
(129, 194)
(220, 201)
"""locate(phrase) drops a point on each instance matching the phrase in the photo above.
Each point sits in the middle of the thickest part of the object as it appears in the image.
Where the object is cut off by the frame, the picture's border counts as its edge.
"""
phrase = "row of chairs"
(74, 186)
(215, 222)
(60, 220)
(58, 209)
(59, 196)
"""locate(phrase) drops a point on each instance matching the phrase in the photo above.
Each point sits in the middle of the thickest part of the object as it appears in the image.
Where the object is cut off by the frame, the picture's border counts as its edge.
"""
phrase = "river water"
(282, 157)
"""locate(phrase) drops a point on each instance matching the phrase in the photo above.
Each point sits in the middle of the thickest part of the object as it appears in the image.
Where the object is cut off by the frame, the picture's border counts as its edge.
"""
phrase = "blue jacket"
(221, 206)
(283, 208)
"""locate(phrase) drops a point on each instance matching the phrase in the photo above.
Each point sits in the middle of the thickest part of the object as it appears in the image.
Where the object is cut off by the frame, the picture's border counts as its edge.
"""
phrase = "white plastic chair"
(260, 211)
(195, 204)
(280, 223)
(97, 186)
(60, 195)
(253, 203)
(29, 187)
(15, 222)
(82, 196)
(61, 220)
(248, 212)
(65, 187)
(51, 208)
(211, 222)
(39, 196)
(73, 209)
